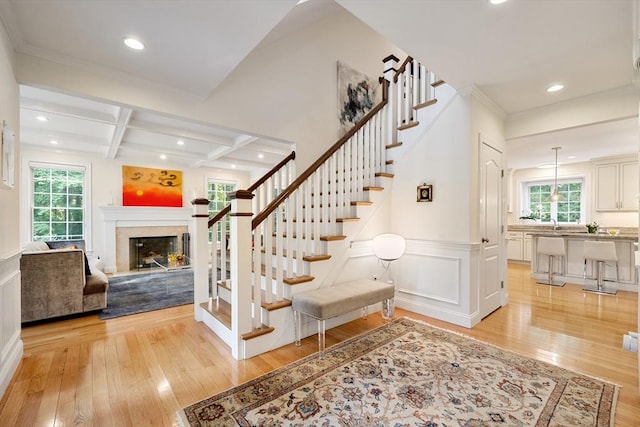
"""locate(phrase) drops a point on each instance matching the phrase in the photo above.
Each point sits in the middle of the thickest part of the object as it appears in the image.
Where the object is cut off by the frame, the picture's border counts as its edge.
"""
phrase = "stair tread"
(437, 83)
(361, 203)
(298, 279)
(373, 188)
(334, 219)
(409, 125)
(425, 104)
(270, 306)
(394, 145)
(257, 332)
(322, 238)
(308, 258)
(352, 219)
(220, 309)
(385, 174)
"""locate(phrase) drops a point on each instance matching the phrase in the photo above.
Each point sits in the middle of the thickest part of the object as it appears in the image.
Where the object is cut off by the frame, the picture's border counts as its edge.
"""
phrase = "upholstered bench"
(331, 301)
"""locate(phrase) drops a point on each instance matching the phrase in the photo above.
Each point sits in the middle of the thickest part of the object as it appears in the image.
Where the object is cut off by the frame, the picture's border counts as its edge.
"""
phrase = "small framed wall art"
(425, 193)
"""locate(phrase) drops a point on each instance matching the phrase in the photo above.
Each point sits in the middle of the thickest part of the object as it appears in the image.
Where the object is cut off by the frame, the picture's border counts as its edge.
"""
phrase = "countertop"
(577, 232)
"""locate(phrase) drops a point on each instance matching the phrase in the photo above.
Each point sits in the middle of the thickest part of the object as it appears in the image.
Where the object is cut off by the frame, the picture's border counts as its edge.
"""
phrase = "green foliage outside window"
(569, 204)
(218, 195)
(58, 204)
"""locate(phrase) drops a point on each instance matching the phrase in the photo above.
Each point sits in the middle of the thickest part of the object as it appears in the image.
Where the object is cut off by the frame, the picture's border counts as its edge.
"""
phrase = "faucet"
(555, 224)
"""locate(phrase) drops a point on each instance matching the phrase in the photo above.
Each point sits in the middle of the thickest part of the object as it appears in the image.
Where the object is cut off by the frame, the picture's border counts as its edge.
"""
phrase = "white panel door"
(490, 228)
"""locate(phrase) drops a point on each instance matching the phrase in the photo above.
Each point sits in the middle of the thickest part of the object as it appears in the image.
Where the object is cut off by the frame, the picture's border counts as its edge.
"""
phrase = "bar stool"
(552, 247)
(600, 252)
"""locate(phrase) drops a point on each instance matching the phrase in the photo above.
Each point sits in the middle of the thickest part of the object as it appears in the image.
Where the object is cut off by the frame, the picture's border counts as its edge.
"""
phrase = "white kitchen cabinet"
(526, 248)
(514, 245)
(616, 186)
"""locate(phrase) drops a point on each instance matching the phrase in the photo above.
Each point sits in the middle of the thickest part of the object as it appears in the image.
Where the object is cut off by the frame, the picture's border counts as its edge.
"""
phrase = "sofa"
(58, 279)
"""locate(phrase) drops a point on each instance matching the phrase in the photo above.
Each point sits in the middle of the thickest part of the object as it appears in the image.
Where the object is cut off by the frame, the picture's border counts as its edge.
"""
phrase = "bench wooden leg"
(321, 341)
(296, 327)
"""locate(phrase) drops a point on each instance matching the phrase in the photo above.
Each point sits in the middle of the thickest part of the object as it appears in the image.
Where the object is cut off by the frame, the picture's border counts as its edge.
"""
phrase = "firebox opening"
(148, 252)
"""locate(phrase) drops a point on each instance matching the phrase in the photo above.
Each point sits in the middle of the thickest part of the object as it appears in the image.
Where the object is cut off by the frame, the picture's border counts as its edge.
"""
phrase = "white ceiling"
(511, 52)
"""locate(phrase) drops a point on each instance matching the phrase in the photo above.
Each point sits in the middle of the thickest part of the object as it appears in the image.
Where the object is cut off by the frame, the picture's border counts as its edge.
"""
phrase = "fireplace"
(148, 252)
(125, 222)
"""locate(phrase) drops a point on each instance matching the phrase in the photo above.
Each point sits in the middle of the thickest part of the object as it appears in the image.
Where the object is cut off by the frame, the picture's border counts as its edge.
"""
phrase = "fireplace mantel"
(138, 216)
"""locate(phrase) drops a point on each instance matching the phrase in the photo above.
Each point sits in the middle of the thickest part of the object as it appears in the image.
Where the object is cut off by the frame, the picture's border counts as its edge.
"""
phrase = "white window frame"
(26, 192)
(211, 180)
(524, 199)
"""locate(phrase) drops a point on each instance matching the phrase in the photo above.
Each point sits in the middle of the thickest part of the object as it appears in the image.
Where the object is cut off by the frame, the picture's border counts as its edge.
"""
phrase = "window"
(218, 195)
(58, 203)
(568, 209)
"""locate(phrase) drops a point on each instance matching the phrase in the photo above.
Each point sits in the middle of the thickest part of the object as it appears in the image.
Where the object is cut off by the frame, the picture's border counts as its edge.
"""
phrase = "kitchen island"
(573, 268)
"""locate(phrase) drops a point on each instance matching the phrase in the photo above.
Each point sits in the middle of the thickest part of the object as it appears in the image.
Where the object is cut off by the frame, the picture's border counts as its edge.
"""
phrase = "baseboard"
(467, 321)
(10, 362)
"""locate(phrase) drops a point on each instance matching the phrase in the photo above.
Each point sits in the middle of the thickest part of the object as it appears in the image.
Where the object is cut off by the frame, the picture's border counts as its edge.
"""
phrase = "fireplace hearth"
(148, 252)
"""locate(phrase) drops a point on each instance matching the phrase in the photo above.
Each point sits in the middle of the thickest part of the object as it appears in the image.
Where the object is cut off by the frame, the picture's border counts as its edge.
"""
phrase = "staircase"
(304, 227)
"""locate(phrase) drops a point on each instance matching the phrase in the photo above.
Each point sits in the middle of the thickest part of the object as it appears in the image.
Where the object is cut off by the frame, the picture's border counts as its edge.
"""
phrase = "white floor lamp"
(388, 248)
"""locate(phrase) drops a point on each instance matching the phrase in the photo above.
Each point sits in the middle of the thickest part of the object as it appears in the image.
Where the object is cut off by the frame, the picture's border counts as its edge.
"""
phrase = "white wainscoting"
(440, 280)
(10, 319)
(436, 279)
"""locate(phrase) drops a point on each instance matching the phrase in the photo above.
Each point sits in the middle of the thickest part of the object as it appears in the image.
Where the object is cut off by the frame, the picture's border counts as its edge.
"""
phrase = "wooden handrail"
(254, 186)
(257, 220)
(402, 68)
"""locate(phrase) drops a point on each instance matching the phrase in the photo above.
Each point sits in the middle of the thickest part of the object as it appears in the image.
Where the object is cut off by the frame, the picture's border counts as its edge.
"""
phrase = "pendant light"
(554, 194)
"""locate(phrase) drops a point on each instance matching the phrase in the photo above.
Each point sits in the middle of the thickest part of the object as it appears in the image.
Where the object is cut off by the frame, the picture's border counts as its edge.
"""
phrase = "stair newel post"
(241, 252)
(200, 254)
(390, 128)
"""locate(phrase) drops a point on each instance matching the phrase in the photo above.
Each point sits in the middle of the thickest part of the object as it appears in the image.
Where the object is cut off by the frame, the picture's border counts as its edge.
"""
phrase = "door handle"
(485, 240)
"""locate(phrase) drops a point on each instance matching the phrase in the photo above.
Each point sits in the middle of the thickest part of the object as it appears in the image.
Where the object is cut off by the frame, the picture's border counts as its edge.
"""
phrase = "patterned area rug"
(139, 293)
(409, 374)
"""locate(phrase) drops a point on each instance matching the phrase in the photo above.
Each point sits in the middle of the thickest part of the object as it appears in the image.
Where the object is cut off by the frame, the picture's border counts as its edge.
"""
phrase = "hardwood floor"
(139, 370)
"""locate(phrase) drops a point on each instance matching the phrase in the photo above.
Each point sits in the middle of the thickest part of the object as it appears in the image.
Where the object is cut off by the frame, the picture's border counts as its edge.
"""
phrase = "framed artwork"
(425, 193)
(7, 157)
(356, 96)
(151, 187)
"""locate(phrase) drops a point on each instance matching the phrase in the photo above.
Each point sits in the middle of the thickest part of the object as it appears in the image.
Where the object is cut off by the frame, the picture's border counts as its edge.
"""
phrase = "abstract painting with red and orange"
(151, 187)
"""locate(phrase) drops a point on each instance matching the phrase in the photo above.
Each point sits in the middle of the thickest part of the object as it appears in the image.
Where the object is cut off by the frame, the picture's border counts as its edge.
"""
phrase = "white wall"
(441, 157)
(439, 275)
(106, 186)
(10, 342)
(585, 170)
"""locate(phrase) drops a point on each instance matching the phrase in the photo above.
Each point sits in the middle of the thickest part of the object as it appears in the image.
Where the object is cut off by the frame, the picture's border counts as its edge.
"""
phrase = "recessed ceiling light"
(497, 1)
(42, 118)
(180, 142)
(555, 88)
(261, 156)
(134, 44)
(54, 142)
(233, 166)
(163, 156)
(571, 157)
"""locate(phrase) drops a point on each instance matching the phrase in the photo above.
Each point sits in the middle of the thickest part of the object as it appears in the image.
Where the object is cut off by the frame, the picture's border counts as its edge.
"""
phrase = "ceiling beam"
(65, 110)
(118, 134)
(179, 133)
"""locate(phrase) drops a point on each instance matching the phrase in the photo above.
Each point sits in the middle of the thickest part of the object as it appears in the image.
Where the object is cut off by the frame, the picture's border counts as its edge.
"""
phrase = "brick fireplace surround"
(123, 222)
